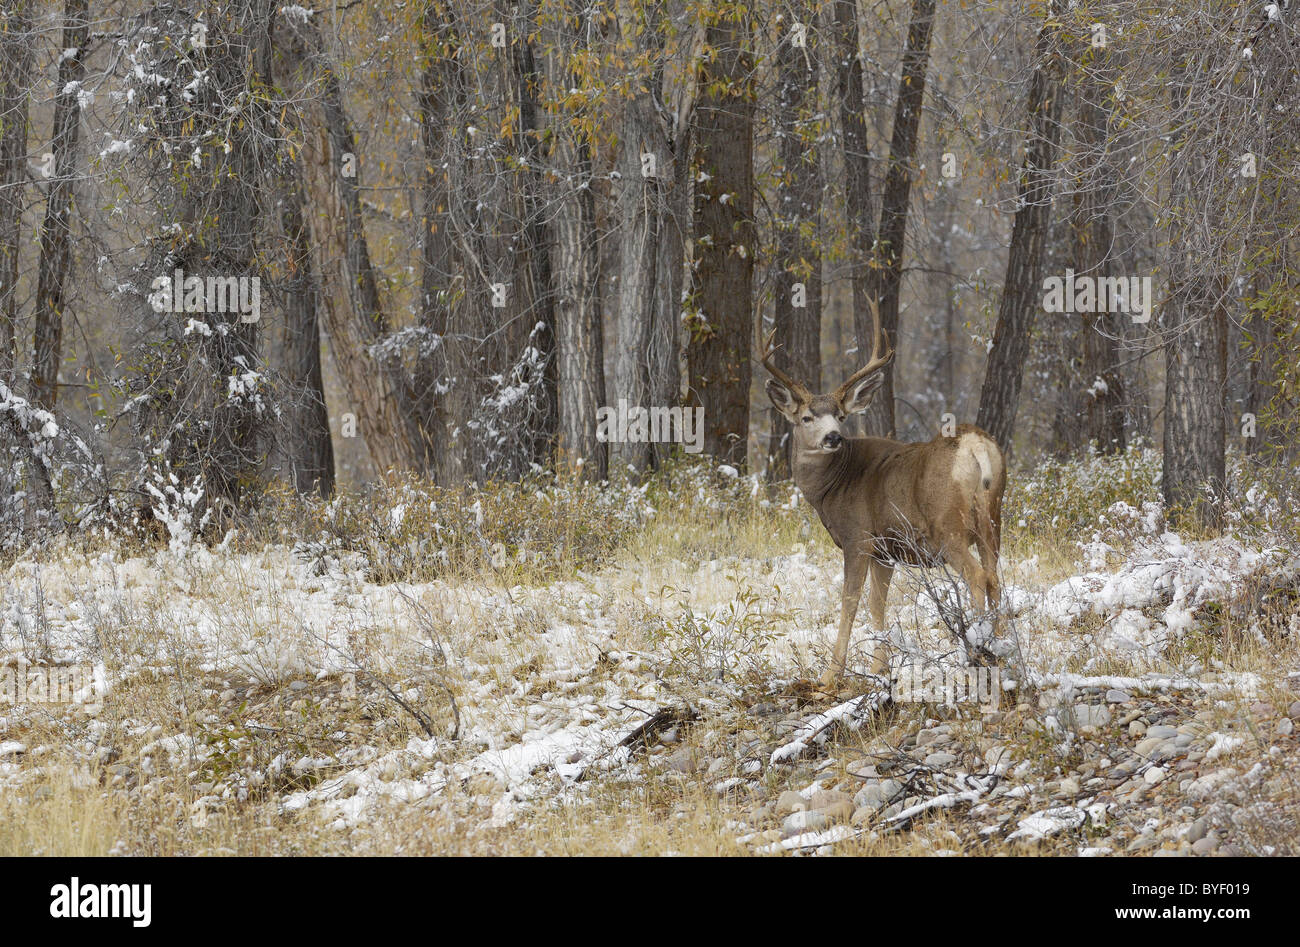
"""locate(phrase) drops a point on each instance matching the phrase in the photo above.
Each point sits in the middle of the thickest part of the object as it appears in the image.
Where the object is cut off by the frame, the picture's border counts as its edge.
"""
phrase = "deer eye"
(841, 417)
(807, 419)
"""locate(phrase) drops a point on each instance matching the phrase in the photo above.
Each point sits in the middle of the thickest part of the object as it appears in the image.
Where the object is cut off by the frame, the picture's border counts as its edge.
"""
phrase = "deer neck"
(818, 475)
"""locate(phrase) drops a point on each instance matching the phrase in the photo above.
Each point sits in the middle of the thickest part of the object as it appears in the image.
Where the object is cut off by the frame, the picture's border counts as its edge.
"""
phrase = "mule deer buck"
(885, 501)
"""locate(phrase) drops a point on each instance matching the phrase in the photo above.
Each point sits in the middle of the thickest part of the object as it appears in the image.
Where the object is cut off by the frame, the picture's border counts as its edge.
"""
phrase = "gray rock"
(1091, 715)
(839, 811)
(1162, 731)
(940, 760)
(824, 799)
(1116, 696)
(871, 797)
(1197, 831)
(1284, 726)
(1205, 846)
(863, 816)
(683, 761)
(799, 822)
(1145, 747)
(790, 801)
(1156, 748)
(924, 737)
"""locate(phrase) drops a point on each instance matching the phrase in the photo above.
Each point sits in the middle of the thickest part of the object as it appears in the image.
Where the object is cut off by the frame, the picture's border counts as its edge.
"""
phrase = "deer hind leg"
(957, 555)
(881, 573)
(988, 548)
(855, 573)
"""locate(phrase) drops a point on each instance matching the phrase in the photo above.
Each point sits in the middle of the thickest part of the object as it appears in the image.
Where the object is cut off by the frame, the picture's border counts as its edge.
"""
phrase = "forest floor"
(269, 696)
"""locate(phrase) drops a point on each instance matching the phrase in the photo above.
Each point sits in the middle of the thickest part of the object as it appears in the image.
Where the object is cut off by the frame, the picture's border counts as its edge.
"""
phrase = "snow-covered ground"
(288, 682)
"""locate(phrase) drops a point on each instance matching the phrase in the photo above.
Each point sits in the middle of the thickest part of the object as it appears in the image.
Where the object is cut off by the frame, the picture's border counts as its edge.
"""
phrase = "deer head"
(819, 419)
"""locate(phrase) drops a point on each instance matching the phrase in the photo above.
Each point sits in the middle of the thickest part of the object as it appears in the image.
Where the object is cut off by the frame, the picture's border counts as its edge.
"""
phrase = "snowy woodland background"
(354, 572)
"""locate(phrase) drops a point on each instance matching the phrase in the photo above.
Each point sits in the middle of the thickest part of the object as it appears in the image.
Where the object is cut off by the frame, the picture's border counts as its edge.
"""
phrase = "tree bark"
(725, 242)
(351, 308)
(534, 260)
(885, 279)
(1103, 414)
(444, 385)
(309, 448)
(1196, 359)
(56, 244)
(15, 90)
(1021, 290)
(1195, 336)
(857, 159)
(797, 220)
(650, 206)
(575, 262)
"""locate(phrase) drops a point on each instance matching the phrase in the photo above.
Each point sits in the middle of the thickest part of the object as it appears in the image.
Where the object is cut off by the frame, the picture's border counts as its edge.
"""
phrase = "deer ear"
(782, 398)
(861, 395)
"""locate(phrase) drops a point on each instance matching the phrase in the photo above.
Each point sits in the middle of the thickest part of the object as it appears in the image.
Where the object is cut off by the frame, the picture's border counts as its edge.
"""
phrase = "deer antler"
(877, 361)
(797, 388)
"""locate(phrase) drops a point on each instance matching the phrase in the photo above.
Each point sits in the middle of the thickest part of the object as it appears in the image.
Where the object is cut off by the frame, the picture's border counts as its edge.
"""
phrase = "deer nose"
(832, 440)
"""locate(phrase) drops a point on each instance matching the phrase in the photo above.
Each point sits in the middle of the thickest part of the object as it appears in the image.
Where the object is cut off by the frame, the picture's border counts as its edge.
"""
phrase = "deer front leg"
(855, 573)
(881, 573)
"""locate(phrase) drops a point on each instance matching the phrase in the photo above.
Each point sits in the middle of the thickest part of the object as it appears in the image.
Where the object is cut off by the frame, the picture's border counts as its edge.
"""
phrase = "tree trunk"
(575, 262)
(1195, 375)
(650, 209)
(665, 345)
(725, 241)
(1195, 336)
(56, 244)
(309, 448)
(534, 260)
(15, 89)
(443, 384)
(640, 215)
(1103, 414)
(1263, 378)
(857, 159)
(885, 279)
(351, 307)
(797, 218)
(1021, 290)
(941, 373)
